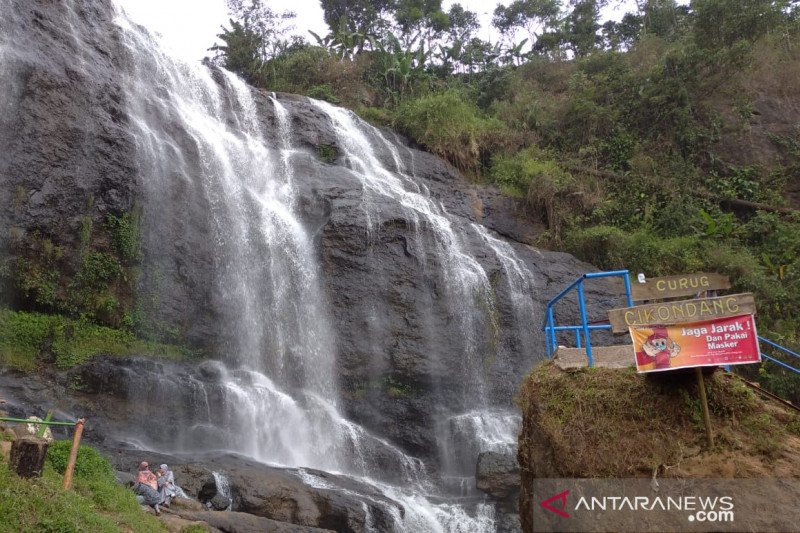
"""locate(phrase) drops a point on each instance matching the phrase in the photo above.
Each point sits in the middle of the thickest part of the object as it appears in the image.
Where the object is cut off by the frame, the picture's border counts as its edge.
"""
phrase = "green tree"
(532, 16)
(240, 52)
(461, 29)
(420, 21)
(361, 18)
(722, 23)
(272, 27)
(582, 24)
(664, 18)
(621, 35)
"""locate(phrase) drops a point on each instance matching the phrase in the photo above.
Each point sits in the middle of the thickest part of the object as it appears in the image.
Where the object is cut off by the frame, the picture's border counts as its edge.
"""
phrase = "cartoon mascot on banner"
(658, 348)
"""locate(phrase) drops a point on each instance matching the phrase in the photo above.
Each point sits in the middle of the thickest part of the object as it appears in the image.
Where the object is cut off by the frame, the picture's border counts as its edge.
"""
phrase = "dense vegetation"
(666, 142)
(66, 303)
(96, 503)
(29, 339)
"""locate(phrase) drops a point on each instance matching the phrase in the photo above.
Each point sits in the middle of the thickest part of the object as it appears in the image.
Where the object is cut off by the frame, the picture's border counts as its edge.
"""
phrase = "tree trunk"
(27, 456)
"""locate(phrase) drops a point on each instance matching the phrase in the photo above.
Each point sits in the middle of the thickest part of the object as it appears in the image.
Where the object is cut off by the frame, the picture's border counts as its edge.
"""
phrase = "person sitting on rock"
(146, 488)
(166, 484)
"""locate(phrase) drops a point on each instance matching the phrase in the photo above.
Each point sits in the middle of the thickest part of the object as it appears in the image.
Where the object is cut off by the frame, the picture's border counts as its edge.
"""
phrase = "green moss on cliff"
(29, 339)
(327, 153)
(91, 274)
(125, 234)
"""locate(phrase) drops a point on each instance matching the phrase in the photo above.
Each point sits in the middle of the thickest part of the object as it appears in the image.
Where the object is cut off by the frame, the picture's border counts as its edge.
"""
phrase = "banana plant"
(401, 65)
(343, 43)
(514, 54)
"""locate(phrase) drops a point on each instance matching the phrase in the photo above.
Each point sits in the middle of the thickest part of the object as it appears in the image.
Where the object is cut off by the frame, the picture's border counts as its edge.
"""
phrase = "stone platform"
(618, 356)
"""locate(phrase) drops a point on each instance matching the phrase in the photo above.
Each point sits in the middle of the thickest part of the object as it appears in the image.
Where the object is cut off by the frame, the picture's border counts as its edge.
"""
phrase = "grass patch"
(449, 126)
(26, 337)
(96, 504)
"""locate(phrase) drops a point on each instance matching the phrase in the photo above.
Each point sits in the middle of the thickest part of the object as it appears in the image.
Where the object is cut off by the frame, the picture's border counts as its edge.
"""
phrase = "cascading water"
(223, 486)
(465, 279)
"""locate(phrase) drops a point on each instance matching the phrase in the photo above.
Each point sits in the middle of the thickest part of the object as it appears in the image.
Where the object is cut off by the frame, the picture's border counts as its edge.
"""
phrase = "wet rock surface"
(234, 522)
(304, 497)
(498, 474)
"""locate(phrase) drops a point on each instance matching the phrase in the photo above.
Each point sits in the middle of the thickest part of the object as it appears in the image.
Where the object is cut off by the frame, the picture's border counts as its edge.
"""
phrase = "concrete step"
(618, 356)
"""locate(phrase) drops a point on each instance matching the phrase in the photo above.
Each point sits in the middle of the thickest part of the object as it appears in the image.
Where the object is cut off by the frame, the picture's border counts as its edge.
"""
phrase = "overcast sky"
(189, 27)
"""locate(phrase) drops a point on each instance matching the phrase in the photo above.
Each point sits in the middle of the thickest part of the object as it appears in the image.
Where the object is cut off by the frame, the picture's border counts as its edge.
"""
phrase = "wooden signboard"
(677, 286)
(684, 311)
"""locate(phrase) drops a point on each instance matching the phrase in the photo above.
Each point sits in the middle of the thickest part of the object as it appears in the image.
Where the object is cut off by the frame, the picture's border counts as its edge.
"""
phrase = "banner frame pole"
(701, 386)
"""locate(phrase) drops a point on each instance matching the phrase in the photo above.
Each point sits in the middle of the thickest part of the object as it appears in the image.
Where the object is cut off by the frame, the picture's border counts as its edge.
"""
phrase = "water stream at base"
(284, 408)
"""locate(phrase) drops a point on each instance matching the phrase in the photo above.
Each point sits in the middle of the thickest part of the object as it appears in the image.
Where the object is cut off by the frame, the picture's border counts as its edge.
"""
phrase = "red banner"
(721, 341)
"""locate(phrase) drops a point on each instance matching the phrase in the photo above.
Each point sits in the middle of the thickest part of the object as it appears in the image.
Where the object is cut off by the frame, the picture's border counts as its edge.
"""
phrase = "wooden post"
(73, 453)
(701, 385)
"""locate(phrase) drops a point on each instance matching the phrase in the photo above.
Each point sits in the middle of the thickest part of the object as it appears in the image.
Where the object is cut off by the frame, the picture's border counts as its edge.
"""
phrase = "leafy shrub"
(448, 125)
(89, 464)
(322, 92)
(376, 115)
(548, 188)
(529, 167)
(639, 251)
(22, 336)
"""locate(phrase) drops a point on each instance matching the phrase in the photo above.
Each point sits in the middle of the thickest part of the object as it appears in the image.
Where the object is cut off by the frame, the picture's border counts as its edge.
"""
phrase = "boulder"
(124, 478)
(304, 497)
(220, 502)
(185, 504)
(498, 474)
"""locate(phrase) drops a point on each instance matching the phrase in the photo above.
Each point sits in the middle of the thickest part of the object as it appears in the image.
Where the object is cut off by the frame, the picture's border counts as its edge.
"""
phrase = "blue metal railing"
(584, 327)
(783, 349)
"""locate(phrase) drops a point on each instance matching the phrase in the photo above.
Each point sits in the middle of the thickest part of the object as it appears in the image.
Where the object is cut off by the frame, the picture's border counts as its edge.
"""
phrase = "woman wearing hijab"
(147, 487)
(166, 484)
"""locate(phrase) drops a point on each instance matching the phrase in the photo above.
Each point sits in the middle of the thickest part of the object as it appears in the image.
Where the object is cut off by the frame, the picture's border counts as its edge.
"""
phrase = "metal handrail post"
(627, 278)
(585, 322)
(546, 330)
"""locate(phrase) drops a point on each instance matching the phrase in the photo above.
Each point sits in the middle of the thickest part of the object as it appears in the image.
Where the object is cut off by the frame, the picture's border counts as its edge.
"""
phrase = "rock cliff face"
(429, 299)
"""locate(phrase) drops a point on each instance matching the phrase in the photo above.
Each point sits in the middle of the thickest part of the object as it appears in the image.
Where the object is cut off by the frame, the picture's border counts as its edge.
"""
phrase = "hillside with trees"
(665, 142)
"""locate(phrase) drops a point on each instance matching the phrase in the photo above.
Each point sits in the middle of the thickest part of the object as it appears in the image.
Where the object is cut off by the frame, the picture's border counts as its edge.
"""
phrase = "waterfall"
(276, 396)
